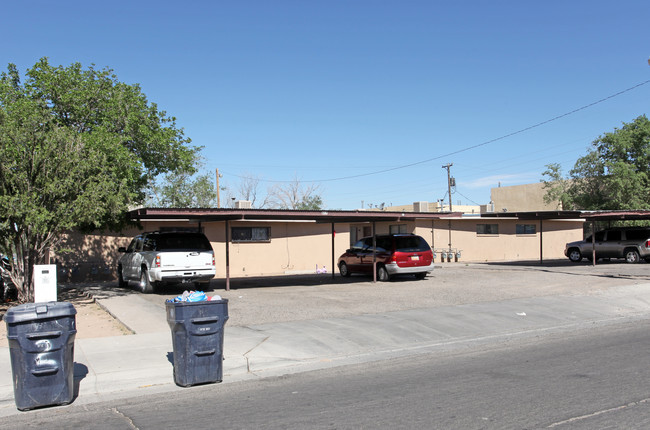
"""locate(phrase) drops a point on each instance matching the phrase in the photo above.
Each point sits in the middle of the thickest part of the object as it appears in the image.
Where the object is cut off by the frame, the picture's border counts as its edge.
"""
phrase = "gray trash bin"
(197, 337)
(41, 345)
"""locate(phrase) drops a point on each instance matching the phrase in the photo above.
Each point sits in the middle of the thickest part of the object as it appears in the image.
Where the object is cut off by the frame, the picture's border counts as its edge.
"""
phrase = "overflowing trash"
(193, 296)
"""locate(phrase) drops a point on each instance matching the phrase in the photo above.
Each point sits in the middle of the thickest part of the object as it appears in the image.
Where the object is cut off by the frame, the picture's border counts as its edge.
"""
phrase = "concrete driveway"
(297, 298)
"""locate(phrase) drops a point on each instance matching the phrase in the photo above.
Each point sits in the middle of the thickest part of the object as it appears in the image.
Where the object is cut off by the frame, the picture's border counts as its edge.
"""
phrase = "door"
(354, 255)
(611, 246)
(130, 263)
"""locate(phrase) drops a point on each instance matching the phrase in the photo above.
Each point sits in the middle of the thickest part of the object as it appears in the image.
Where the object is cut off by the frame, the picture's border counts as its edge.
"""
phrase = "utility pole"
(448, 166)
(449, 179)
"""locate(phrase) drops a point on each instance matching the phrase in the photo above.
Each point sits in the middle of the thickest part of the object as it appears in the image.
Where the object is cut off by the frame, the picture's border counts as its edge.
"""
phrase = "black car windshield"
(182, 242)
(411, 244)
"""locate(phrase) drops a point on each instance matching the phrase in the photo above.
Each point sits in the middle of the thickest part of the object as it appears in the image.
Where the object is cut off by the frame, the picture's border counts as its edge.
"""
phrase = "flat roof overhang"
(324, 216)
(604, 215)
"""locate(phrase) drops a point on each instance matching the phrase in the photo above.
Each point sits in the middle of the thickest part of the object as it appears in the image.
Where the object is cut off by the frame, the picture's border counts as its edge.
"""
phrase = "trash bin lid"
(38, 311)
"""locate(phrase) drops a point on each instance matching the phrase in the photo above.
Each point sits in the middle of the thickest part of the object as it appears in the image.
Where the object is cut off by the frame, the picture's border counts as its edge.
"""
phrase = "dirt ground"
(276, 299)
(91, 320)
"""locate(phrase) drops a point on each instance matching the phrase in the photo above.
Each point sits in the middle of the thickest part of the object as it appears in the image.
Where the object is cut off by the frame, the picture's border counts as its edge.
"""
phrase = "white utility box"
(45, 283)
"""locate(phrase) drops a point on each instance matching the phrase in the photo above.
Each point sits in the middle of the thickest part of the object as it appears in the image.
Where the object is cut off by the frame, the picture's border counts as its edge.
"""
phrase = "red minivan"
(395, 254)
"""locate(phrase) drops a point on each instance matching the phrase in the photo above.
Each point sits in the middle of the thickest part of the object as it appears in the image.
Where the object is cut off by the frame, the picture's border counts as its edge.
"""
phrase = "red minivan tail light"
(157, 260)
(647, 243)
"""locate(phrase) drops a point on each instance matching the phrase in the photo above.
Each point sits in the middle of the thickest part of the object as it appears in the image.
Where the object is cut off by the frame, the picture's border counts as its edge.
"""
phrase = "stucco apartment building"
(284, 242)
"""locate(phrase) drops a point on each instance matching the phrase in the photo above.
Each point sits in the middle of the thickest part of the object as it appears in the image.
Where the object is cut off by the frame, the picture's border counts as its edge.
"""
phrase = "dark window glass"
(637, 234)
(411, 244)
(526, 229)
(251, 234)
(179, 242)
(487, 228)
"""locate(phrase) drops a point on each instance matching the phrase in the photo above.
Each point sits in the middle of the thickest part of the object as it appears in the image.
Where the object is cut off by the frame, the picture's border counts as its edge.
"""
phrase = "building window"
(526, 229)
(251, 234)
(397, 229)
(487, 228)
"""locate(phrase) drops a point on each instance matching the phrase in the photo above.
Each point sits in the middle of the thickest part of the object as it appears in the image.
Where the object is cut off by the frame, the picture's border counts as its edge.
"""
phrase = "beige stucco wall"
(302, 247)
(294, 248)
(522, 198)
(507, 245)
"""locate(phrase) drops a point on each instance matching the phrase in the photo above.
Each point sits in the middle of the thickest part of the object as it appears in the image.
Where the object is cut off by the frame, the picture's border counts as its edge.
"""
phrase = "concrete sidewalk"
(140, 364)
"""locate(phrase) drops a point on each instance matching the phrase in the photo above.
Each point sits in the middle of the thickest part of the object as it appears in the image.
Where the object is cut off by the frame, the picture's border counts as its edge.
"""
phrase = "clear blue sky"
(324, 90)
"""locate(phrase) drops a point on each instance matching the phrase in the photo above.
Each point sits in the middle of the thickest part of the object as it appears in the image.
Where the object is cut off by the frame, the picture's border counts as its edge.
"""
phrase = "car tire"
(382, 274)
(145, 284)
(632, 256)
(343, 269)
(120, 278)
(421, 275)
(575, 255)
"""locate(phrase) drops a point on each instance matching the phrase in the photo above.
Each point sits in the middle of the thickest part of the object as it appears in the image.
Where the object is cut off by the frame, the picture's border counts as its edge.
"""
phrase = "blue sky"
(366, 99)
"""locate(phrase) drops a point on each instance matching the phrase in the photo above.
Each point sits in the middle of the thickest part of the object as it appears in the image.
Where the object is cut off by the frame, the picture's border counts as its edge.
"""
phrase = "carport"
(201, 216)
(588, 216)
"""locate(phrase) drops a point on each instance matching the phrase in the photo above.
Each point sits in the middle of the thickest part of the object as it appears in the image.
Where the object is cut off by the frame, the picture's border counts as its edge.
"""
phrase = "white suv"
(166, 257)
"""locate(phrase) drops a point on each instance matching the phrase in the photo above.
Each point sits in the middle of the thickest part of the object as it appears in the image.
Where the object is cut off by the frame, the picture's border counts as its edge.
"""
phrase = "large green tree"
(183, 190)
(613, 175)
(78, 149)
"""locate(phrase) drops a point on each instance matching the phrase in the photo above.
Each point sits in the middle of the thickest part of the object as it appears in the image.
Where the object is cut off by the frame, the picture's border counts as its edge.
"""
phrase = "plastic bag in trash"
(190, 296)
(197, 296)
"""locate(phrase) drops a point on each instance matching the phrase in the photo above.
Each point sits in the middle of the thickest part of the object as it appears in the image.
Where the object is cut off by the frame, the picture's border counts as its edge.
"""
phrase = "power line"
(428, 160)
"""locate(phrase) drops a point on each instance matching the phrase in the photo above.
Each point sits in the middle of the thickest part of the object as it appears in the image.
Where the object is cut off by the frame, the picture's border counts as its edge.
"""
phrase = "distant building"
(435, 207)
(521, 198)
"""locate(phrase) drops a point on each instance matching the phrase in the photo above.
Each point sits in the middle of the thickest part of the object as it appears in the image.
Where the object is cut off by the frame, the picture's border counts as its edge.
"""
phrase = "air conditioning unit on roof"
(243, 204)
(421, 207)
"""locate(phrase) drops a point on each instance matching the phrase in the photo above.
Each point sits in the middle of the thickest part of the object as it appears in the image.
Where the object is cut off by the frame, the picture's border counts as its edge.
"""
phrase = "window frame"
(489, 232)
(525, 228)
(401, 229)
(252, 235)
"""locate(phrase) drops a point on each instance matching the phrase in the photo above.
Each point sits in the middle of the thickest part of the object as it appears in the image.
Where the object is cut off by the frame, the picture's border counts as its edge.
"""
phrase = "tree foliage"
(295, 195)
(613, 175)
(78, 148)
(183, 190)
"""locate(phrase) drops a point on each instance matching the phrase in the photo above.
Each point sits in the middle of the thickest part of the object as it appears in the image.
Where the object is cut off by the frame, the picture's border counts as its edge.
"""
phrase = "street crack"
(128, 420)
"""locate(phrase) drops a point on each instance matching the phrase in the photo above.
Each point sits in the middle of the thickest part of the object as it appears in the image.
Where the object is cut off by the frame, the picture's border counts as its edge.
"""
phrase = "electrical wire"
(428, 160)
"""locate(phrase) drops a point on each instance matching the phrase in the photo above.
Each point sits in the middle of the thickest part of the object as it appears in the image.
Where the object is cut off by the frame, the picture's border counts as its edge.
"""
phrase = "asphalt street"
(352, 331)
(592, 378)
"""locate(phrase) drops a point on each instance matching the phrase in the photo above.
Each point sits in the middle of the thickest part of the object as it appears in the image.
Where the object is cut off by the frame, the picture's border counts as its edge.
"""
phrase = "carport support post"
(593, 243)
(227, 258)
(541, 241)
(374, 252)
(333, 236)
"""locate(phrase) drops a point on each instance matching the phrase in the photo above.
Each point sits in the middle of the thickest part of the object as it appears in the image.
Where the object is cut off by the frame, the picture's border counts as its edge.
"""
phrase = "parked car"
(156, 258)
(631, 243)
(397, 254)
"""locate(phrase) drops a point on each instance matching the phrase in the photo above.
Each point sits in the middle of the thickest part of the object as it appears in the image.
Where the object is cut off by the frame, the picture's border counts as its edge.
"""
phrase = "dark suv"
(395, 255)
(632, 244)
